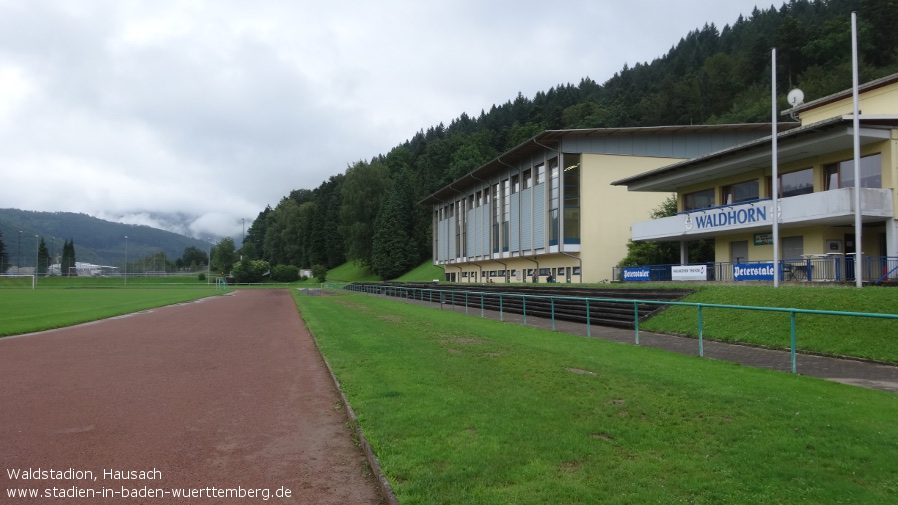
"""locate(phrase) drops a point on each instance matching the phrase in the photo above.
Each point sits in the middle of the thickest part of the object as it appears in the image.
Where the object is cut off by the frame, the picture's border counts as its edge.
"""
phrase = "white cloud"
(212, 110)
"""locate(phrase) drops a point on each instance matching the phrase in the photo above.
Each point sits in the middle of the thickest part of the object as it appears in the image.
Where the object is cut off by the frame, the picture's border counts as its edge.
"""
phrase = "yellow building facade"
(727, 195)
(546, 211)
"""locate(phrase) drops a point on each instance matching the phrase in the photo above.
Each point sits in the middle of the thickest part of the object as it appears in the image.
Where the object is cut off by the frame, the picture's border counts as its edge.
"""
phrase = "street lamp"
(126, 260)
(209, 264)
(19, 260)
(37, 257)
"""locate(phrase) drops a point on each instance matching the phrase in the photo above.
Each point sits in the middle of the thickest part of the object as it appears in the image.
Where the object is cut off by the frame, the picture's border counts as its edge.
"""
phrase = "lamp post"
(209, 264)
(126, 260)
(19, 260)
(37, 256)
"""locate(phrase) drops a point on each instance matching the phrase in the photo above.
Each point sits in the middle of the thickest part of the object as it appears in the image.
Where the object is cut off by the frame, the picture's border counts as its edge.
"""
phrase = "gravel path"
(225, 399)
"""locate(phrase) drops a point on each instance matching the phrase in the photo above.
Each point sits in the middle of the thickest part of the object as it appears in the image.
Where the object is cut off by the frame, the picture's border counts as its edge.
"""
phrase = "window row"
(800, 182)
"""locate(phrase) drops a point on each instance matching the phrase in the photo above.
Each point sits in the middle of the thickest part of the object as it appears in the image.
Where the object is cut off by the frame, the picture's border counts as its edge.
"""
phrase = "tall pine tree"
(4, 257)
(67, 265)
(43, 258)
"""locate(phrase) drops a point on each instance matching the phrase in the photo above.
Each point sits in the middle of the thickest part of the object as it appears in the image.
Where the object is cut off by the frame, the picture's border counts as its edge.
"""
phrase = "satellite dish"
(795, 97)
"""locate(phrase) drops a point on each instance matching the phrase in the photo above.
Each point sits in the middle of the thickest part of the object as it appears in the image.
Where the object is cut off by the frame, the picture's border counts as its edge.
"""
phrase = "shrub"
(319, 272)
(285, 273)
(249, 271)
(202, 276)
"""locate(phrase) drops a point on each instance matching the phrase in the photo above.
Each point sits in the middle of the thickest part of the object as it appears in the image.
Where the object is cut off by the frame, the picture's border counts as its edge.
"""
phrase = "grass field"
(465, 410)
(27, 310)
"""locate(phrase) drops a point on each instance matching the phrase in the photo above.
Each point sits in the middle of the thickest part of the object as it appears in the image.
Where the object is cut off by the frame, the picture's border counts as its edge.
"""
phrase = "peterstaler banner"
(753, 271)
(689, 273)
(637, 274)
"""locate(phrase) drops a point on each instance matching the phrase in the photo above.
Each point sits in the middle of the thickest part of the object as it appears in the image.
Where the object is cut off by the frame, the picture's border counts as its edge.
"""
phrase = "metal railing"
(477, 299)
(810, 268)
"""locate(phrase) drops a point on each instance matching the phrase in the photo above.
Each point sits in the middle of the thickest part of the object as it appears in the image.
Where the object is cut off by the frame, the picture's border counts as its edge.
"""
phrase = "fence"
(478, 300)
(810, 268)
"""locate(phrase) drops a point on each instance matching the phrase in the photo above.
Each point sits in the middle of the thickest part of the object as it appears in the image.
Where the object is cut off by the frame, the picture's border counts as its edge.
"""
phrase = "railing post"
(552, 302)
(701, 346)
(481, 304)
(524, 306)
(636, 320)
(501, 315)
(792, 331)
(588, 326)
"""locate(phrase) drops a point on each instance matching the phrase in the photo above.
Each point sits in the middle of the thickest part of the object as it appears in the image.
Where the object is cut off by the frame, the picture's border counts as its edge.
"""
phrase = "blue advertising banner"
(753, 272)
(637, 274)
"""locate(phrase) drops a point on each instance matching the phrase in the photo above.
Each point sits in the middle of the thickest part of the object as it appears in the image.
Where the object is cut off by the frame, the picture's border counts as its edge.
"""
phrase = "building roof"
(551, 139)
(826, 136)
(841, 95)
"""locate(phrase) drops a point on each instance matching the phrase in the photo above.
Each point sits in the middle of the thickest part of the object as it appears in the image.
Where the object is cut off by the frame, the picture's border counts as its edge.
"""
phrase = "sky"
(192, 116)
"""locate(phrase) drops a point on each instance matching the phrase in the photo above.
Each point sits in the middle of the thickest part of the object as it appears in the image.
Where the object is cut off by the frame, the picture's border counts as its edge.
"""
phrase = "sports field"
(465, 410)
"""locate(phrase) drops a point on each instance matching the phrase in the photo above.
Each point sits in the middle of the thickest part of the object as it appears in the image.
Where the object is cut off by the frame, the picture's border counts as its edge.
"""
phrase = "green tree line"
(369, 214)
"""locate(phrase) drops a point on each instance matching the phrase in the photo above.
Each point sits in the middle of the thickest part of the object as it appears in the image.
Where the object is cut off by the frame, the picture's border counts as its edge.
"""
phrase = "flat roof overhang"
(794, 145)
(551, 139)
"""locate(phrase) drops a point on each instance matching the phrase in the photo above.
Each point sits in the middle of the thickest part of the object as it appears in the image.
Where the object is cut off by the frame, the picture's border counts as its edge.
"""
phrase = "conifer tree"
(4, 257)
(43, 258)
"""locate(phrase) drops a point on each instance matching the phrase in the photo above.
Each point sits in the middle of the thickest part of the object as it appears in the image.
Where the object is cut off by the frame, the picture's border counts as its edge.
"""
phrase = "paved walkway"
(848, 371)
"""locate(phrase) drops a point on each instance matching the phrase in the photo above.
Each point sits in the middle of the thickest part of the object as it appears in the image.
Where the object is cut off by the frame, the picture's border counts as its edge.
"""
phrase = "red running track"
(225, 399)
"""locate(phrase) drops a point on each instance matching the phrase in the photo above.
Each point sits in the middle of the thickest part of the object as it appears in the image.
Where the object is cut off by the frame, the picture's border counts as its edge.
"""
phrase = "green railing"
(425, 296)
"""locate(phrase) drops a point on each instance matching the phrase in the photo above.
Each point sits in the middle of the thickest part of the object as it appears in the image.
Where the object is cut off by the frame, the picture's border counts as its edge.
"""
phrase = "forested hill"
(96, 241)
(711, 76)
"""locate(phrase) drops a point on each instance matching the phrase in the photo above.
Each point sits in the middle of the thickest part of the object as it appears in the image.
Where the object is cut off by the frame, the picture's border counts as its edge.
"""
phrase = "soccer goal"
(18, 281)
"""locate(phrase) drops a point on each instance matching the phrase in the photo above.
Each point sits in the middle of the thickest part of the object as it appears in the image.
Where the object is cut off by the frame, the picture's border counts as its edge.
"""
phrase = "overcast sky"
(136, 111)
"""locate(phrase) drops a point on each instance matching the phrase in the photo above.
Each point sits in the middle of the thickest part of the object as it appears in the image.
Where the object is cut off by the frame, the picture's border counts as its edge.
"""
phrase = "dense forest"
(369, 214)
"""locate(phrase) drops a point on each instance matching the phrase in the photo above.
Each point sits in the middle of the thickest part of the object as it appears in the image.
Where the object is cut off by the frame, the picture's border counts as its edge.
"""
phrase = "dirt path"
(225, 399)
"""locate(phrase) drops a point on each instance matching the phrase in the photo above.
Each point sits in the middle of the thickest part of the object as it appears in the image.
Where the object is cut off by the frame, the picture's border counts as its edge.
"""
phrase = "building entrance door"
(739, 252)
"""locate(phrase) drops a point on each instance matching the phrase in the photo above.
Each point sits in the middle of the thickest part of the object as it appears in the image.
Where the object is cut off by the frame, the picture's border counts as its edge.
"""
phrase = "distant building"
(85, 270)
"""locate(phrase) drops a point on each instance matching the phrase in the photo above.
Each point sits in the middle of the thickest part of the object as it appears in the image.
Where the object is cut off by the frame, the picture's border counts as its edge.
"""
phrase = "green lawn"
(27, 310)
(465, 410)
(834, 335)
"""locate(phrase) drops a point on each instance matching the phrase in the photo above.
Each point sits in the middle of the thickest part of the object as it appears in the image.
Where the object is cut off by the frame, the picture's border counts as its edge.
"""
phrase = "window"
(515, 184)
(506, 213)
(796, 183)
(540, 174)
(699, 199)
(741, 192)
(572, 199)
(841, 175)
(497, 213)
(554, 191)
(793, 248)
(527, 182)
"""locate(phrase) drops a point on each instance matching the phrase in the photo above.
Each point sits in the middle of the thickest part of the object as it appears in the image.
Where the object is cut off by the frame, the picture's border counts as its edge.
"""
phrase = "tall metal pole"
(858, 281)
(126, 260)
(775, 169)
(37, 257)
(19, 260)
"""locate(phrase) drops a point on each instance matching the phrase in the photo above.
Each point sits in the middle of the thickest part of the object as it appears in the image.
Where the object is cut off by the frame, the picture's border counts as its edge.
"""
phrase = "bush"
(250, 271)
(285, 273)
(202, 276)
(319, 272)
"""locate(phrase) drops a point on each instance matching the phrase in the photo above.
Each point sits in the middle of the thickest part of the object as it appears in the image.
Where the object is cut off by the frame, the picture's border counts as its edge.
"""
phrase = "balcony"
(831, 208)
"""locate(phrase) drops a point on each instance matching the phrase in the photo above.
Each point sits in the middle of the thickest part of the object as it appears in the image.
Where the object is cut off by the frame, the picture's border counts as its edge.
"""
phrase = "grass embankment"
(465, 410)
(868, 338)
(27, 310)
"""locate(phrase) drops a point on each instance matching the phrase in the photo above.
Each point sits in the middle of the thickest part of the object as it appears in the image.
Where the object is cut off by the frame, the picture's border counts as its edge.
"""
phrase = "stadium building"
(546, 210)
(726, 195)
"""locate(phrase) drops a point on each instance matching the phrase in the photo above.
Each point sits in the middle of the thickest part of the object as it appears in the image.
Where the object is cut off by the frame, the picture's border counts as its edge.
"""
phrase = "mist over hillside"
(96, 240)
